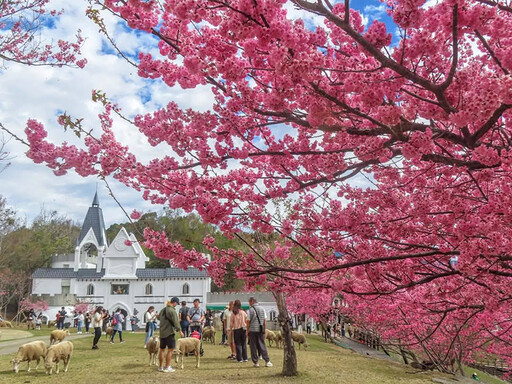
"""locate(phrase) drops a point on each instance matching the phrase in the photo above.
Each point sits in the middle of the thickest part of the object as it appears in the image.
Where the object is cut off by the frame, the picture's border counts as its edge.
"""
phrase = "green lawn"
(128, 362)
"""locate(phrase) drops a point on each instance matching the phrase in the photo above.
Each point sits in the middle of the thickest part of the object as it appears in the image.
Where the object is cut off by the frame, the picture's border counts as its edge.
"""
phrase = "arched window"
(149, 289)
(186, 289)
(90, 290)
(273, 315)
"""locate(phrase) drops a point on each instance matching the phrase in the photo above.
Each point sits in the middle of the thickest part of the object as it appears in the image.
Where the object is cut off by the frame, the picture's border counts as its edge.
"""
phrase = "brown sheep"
(209, 334)
(109, 332)
(300, 338)
(58, 335)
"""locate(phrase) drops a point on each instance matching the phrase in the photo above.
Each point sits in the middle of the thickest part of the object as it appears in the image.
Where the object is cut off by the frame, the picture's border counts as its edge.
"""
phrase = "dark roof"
(94, 220)
(52, 273)
(89, 273)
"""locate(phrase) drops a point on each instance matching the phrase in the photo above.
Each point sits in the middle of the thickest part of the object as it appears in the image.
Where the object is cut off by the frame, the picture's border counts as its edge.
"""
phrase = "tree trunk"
(290, 358)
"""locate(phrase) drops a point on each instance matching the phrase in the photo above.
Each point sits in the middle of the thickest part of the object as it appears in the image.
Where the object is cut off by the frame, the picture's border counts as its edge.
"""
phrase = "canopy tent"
(220, 307)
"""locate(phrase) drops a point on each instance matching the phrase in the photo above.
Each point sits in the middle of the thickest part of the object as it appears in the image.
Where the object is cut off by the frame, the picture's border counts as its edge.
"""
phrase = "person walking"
(149, 318)
(256, 325)
(229, 334)
(117, 324)
(238, 324)
(97, 324)
(183, 316)
(169, 324)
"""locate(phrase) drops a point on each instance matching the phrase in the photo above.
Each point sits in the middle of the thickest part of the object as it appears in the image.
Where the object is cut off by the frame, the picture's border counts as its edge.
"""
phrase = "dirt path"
(8, 347)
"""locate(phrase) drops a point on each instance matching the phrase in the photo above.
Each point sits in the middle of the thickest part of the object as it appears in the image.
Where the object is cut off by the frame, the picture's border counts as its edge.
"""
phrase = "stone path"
(11, 347)
(362, 349)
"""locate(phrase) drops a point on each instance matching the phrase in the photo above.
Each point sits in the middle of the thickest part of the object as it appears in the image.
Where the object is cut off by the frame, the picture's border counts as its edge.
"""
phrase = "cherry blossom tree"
(383, 166)
(21, 40)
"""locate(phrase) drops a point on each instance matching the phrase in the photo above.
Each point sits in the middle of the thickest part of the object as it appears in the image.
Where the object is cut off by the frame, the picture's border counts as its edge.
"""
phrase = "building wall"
(136, 301)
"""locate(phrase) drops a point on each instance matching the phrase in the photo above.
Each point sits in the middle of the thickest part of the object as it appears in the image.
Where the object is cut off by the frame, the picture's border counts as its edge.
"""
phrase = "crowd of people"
(239, 328)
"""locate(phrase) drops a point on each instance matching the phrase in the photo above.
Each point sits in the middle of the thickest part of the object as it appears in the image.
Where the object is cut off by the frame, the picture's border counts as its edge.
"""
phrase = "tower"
(92, 242)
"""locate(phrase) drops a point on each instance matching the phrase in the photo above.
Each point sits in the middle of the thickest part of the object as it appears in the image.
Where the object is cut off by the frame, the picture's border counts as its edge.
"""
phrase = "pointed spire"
(95, 201)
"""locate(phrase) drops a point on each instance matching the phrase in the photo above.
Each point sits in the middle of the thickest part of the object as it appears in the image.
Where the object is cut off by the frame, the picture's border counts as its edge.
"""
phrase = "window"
(186, 289)
(273, 315)
(120, 289)
(90, 290)
(149, 289)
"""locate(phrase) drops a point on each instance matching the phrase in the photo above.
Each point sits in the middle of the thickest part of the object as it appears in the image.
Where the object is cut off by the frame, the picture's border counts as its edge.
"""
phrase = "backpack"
(114, 320)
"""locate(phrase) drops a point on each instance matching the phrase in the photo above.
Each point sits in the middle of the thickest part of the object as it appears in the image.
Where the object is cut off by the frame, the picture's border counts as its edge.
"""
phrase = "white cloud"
(44, 92)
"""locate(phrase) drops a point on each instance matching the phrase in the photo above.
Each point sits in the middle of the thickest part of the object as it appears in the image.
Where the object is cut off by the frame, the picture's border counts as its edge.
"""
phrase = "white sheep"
(58, 335)
(187, 345)
(29, 352)
(61, 351)
(300, 338)
(153, 347)
(209, 334)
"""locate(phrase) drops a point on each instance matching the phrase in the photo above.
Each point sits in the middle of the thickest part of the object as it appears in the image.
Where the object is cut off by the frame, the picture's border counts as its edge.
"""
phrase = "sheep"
(58, 335)
(5, 324)
(279, 339)
(209, 334)
(300, 338)
(270, 336)
(29, 352)
(109, 332)
(186, 345)
(51, 324)
(62, 351)
(153, 346)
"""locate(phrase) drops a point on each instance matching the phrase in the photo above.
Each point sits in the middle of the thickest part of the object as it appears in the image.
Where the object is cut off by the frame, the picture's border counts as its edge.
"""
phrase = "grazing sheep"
(62, 351)
(279, 339)
(29, 352)
(51, 324)
(109, 332)
(58, 335)
(270, 336)
(5, 324)
(185, 346)
(300, 338)
(153, 346)
(209, 334)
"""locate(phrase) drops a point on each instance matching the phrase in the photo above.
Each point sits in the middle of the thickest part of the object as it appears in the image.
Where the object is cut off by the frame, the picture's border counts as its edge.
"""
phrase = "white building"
(113, 276)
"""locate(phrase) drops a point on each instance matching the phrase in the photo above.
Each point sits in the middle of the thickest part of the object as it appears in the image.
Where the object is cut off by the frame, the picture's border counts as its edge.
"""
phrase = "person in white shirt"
(149, 319)
(79, 321)
(97, 323)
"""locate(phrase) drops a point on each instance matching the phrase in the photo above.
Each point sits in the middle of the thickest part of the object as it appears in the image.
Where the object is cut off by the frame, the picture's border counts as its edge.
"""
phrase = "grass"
(128, 362)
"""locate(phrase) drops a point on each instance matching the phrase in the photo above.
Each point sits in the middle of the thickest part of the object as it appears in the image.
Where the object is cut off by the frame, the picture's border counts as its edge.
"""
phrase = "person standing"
(62, 317)
(256, 325)
(79, 322)
(133, 321)
(87, 321)
(238, 324)
(183, 316)
(39, 321)
(208, 318)
(97, 323)
(229, 334)
(117, 324)
(169, 324)
(195, 318)
(149, 318)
